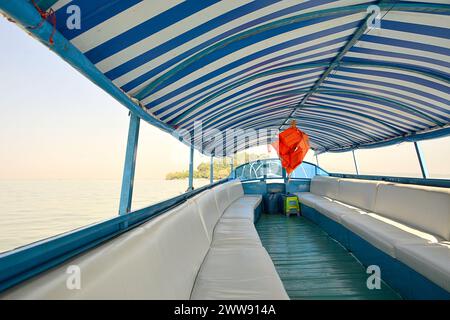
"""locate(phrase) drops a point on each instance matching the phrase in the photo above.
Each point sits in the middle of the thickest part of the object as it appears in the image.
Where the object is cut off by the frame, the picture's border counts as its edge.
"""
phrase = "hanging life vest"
(291, 146)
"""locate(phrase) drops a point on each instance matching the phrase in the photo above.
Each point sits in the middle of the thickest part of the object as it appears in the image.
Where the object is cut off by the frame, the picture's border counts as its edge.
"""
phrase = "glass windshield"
(272, 169)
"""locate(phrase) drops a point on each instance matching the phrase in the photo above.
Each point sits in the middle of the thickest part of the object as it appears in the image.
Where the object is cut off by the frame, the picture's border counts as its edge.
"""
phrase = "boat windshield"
(272, 169)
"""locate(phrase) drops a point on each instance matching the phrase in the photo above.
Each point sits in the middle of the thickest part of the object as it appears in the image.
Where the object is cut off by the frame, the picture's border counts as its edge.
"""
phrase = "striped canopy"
(258, 64)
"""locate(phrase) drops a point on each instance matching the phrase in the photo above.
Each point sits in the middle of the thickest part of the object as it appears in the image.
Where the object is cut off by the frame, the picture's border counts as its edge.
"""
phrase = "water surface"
(31, 210)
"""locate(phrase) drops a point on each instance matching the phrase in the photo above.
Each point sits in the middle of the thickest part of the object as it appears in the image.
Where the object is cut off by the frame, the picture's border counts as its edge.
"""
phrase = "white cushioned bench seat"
(238, 273)
(162, 259)
(410, 223)
(239, 211)
(322, 188)
(241, 206)
(335, 210)
(158, 260)
(250, 200)
(310, 199)
(383, 233)
(232, 232)
(430, 260)
(423, 208)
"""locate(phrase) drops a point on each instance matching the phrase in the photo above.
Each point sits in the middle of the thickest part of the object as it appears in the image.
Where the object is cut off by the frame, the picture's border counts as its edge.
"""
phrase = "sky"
(56, 124)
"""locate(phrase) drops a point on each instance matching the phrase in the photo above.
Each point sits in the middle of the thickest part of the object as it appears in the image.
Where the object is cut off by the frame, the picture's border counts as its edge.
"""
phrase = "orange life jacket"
(291, 146)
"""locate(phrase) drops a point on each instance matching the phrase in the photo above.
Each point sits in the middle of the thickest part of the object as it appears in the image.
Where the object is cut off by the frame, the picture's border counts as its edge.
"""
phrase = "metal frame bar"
(191, 168)
(355, 38)
(354, 161)
(442, 183)
(126, 194)
(211, 170)
(421, 158)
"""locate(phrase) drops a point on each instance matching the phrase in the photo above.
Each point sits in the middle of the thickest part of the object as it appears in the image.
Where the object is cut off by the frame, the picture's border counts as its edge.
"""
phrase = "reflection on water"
(37, 209)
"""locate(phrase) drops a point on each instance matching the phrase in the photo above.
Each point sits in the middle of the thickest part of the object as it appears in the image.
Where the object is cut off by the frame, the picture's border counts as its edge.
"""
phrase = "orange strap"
(46, 15)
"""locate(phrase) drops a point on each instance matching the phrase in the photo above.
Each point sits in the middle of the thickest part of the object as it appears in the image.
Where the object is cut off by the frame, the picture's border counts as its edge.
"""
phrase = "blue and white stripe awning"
(257, 64)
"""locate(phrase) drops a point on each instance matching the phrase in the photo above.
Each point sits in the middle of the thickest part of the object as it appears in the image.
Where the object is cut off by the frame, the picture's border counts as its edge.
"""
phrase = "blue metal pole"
(126, 194)
(354, 161)
(191, 169)
(211, 170)
(423, 166)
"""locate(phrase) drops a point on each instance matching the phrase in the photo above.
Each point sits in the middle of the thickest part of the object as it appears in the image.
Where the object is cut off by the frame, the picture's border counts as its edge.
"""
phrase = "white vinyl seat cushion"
(238, 273)
(410, 223)
(222, 197)
(358, 193)
(235, 190)
(430, 260)
(158, 260)
(308, 198)
(191, 251)
(335, 210)
(235, 232)
(252, 201)
(421, 207)
(325, 186)
(240, 211)
(385, 234)
(208, 209)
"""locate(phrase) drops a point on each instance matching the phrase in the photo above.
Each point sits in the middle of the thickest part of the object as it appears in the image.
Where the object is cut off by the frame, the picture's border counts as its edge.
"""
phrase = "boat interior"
(257, 65)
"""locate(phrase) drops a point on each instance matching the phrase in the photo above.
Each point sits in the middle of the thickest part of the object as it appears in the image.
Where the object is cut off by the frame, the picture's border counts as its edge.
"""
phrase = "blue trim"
(298, 185)
(25, 262)
(126, 194)
(406, 281)
(255, 187)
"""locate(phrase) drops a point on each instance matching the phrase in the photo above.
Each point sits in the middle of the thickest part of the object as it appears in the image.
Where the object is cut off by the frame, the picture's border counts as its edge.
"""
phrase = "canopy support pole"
(211, 170)
(191, 169)
(421, 158)
(231, 164)
(354, 161)
(317, 160)
(126, 194)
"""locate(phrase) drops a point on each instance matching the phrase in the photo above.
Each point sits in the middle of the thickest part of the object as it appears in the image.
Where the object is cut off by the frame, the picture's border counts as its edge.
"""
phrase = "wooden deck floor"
(311, 264)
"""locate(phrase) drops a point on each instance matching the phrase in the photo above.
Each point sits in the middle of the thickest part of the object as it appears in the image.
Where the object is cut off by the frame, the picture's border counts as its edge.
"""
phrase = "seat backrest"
(358, 193)
(158, 260)
(235, 190)
(421, 207)
(208, 209)
(222, 196)
(325, 186)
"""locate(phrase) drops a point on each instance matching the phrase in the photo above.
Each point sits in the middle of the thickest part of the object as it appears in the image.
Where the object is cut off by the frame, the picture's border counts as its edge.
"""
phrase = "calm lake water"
(37, 209)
